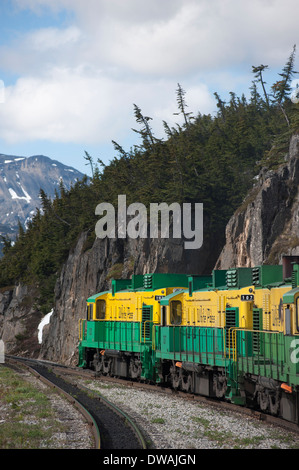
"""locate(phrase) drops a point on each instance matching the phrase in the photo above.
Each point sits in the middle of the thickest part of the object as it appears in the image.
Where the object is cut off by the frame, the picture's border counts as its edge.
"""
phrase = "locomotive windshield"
(176, 312)
(100, 309)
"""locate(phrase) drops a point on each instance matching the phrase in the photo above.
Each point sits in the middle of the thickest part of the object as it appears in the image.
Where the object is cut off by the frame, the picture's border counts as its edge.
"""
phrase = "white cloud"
(78, 83)
(70, 105)
(47, 39)
(67, 105)
(166, 37)
(38, 50)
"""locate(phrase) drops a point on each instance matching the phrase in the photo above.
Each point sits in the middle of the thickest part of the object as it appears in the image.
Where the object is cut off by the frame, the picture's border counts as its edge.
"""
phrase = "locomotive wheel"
(219, 385)
(106, 367)
(263, 400)
(186, 381)
(274, 402)
(97, 363)
(135, 368)
(175, 377)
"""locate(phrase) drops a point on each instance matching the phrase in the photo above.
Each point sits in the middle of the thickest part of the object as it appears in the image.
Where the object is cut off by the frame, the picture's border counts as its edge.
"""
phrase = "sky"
(72, 70)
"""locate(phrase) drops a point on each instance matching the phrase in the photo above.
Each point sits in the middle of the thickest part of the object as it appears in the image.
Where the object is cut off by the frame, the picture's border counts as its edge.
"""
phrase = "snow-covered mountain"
(21, 179)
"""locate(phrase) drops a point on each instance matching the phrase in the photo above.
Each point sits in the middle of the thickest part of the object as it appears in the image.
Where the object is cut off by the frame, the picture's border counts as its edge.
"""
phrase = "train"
(232, 335)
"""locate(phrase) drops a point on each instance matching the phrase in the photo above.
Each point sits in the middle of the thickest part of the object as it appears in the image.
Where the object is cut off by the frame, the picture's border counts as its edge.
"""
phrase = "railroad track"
(110, 426)
(63, 371)
(222, 405)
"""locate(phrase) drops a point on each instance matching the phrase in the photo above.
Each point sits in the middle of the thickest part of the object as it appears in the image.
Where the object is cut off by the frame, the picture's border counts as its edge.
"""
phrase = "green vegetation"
(207, 159)
(29, 422)
(115, 271)
(158, 421)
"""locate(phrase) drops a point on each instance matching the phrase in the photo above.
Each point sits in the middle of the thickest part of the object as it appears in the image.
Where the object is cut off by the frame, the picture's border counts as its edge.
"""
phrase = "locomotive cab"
(118, 335)
(291, 305)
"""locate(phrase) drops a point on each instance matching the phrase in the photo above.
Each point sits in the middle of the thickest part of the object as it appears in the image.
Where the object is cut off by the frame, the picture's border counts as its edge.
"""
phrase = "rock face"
(19, 318)
(86, 273)
(266, 226)
(262, 230)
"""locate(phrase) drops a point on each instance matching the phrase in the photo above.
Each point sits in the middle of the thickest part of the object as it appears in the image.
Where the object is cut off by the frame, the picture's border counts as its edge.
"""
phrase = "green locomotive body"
(233, 335)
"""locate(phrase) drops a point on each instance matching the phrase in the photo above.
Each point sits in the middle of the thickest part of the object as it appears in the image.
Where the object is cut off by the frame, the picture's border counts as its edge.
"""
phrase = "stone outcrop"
(262, 230)
(88, 272)
(266, 226)
(19, 318)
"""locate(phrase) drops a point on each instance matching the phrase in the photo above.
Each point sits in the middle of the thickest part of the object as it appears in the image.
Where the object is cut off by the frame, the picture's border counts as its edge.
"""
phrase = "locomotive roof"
(165, 300)
(264, 276)
(95, 296)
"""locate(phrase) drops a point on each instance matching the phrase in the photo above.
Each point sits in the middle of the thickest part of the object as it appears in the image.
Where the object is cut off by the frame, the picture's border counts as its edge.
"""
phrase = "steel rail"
(255, 414)
(85, 413)
(61, 370)
(121, 413)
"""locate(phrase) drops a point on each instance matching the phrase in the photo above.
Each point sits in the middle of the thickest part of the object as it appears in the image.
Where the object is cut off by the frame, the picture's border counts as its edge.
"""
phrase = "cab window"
(89, 310)
(100, 309)
(176, 312)
(297, 314)
(163, 316)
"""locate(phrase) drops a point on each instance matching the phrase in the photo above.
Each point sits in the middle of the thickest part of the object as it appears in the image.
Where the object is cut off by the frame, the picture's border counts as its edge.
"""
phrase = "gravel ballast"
(170, 422)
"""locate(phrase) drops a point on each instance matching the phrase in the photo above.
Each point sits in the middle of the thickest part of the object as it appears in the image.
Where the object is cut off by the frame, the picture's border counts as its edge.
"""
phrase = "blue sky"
(72, 69)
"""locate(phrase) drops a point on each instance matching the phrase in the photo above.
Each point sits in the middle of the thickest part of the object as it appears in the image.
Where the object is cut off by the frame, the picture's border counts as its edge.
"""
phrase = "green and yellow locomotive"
(232, 335)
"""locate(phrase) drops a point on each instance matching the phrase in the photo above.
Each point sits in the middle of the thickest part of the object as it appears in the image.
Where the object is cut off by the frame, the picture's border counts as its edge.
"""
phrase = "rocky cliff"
(266, 226)
(19, 320)
(86, 273)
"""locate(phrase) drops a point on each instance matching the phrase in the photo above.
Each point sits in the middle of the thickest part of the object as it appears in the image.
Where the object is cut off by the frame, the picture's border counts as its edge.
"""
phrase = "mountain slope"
(266, 226)
(21, 179)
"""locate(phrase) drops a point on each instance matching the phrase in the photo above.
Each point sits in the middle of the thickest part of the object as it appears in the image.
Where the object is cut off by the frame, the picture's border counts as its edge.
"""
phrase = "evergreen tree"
(146, 131)
(258, 71)
(182, 105)
(209, 159)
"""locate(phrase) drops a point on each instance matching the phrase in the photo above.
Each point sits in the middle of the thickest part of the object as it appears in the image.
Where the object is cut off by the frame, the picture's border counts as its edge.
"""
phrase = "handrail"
(142, 323)
(234, 337)
(231, 340)
(81, 320)
(143, 339)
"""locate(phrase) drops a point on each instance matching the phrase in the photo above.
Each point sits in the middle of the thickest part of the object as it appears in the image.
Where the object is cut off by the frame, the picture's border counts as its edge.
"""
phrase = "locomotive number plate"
(247, 297)
(159, 297)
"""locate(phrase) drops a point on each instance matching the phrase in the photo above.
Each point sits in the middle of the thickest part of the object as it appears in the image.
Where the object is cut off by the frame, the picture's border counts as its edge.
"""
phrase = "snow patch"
(45, 321)
(15, 196)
